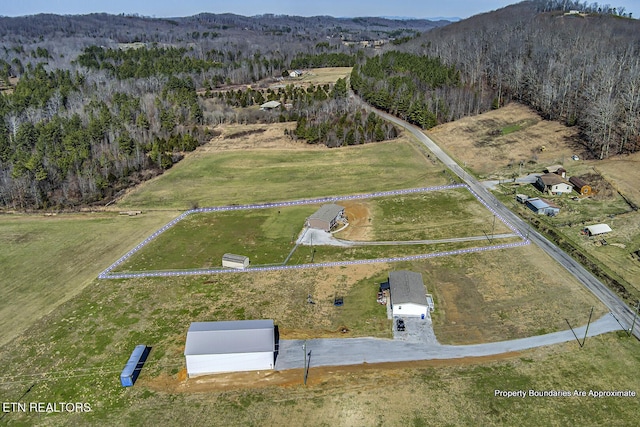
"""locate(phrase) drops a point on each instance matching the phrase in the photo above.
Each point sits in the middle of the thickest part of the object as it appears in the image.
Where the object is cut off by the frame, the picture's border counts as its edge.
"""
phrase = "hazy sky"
(338, 8)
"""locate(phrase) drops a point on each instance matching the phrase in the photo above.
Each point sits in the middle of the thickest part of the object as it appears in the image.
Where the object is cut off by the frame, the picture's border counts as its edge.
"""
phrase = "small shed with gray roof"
(408, 294)
(229, 346)
(235, 261)
(326, 217)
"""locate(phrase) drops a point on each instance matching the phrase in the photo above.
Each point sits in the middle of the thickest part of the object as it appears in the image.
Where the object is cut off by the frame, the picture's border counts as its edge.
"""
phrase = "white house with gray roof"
(326, 217)
(408, 294)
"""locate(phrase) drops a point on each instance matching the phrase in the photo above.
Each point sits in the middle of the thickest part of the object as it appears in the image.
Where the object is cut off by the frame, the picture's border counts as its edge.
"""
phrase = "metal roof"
(553, 168)
(407, 287)
(234, 258)
(270, 104)
(134, 359)
(327, 212)
(577, 182)
(235, 336)
(598, 229)
(538, 203)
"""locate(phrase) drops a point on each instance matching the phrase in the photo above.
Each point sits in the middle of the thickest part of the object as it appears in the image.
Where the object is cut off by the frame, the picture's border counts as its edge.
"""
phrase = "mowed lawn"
(46, 260)
(267, 236)
(227, 177)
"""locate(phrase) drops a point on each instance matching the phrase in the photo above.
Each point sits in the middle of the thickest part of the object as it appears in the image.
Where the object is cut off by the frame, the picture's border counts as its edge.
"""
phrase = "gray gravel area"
(311, 236)
(354, 351)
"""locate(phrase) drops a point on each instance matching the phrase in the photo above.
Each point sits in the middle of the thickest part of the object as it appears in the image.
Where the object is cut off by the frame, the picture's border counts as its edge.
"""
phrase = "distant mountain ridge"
(127, 28)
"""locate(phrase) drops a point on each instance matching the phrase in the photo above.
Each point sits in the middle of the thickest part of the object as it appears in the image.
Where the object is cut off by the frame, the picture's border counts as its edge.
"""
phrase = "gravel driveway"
(354, 351)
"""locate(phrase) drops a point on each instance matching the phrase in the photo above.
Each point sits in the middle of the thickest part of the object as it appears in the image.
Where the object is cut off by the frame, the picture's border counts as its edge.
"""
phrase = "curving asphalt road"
(618, 308)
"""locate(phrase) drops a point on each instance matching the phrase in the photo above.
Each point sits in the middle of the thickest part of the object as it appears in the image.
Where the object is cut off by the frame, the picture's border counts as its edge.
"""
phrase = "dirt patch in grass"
(602, 189)
(318, 375)
(358, 213)
(497, 142)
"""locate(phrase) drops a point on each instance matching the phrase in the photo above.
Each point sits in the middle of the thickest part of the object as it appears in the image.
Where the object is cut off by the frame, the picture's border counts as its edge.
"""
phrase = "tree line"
(416, 88)
(583, 71)
(67, 140)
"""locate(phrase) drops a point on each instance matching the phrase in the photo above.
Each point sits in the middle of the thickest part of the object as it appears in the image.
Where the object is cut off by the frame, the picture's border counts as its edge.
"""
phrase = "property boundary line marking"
(107, 273)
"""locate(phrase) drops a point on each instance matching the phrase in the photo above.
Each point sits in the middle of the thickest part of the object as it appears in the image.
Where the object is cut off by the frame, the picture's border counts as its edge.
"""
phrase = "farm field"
(221, 177)
(493, 144)
(44, 261)
(268, 236)
(76, 351)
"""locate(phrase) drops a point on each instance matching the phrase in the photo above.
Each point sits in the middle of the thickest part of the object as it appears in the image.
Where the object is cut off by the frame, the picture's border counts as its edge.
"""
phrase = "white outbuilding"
(594, 230)
(235, 261)
(230, 346)
(408, 294)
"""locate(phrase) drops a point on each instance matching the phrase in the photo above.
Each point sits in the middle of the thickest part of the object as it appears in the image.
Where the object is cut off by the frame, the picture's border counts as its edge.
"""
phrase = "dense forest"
(579, 68)
(90, 105)
(93, 104)
(418, 89)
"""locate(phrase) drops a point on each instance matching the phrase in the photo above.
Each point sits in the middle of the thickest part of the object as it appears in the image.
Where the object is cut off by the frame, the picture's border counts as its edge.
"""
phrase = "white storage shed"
(230, 346)
(235, 261)
(594, 230)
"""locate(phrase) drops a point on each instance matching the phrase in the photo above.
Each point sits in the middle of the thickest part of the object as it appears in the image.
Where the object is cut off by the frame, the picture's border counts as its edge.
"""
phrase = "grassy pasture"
(226, 177)
(322, 76)
(76, 352)
(267, 236)
(46, 260)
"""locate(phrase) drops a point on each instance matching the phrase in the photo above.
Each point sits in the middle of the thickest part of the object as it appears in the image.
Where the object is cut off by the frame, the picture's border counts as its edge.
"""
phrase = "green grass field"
(75, 333)
(226, 177)
(76, 354)
(46, 260)
(267, 236)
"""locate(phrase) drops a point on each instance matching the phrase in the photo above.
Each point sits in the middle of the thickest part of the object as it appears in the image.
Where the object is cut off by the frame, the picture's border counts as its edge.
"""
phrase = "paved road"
(354, 351)
(618, 308)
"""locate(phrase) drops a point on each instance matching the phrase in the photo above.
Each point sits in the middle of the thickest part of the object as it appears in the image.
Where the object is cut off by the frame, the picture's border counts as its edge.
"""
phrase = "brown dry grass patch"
(499, 295)
(257, 136)
(479, 143)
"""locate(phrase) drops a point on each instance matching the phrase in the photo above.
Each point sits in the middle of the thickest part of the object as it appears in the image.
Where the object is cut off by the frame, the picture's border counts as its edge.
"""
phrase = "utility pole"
(634, 319)
(587, 329)
(493, 227)
(304, 352)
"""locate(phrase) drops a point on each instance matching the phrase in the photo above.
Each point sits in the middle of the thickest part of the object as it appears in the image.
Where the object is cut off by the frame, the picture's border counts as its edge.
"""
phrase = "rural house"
(581, 186)
(326, 217)
(553, 184)
(408, 294)
(557, 169)
(230, 346)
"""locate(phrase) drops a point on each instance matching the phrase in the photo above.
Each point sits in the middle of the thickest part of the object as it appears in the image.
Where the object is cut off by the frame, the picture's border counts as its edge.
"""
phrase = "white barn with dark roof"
(326, 217)
(408, 294)
(230, 346)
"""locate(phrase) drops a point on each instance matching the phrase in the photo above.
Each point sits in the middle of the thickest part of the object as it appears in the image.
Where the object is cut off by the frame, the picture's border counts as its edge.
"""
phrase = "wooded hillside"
(579, 68)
